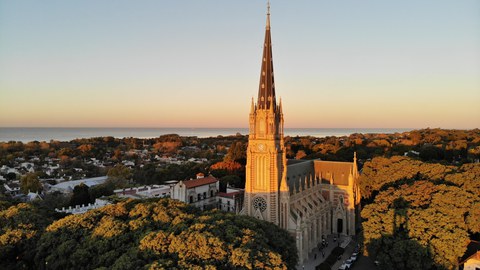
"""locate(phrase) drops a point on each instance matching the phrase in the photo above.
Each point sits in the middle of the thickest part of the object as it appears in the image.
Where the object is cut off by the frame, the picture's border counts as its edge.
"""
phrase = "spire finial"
(268, 14)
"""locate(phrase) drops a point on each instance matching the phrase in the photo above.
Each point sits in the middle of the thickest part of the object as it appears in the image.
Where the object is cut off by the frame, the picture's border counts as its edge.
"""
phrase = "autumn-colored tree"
(381, 172)
(163, 234)
(20, 227)
(236, 153)
(434, 221)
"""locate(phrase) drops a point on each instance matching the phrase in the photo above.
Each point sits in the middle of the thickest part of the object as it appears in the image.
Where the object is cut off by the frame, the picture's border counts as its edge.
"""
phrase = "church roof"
(338, 170)
(266, 90)
(298, 170)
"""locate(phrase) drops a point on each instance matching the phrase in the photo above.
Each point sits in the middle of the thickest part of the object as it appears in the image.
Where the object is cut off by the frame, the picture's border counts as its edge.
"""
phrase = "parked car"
(346, 265)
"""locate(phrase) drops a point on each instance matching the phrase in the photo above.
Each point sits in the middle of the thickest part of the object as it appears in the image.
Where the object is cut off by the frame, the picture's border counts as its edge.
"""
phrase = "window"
(204, 195)
(211, 193)
(191, 199)
(199, 197)
(228, 202)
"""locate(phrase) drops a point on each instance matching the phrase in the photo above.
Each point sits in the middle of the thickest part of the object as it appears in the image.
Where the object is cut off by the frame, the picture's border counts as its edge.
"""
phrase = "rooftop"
(200, 182)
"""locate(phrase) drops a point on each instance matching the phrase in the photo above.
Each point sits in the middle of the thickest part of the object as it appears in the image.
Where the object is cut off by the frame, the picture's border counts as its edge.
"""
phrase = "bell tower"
(266, 191)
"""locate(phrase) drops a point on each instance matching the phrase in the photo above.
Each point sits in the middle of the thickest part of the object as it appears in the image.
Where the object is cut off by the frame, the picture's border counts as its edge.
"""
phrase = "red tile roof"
(229, 195)
(200, 182)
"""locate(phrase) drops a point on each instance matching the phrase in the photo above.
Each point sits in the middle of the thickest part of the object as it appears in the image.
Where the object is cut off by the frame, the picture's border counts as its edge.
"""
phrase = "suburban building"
(230, 201)
(153, 191)
(471, 258)
(200, 192)
(68, 186)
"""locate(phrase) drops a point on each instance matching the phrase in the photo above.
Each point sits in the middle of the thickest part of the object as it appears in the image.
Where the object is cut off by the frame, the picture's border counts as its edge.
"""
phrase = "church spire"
(266, 90)
(268, 14)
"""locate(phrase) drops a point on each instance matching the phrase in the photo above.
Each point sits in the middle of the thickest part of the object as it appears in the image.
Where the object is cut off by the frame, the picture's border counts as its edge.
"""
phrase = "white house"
(230, 201)
(153, 191)
(200, 192)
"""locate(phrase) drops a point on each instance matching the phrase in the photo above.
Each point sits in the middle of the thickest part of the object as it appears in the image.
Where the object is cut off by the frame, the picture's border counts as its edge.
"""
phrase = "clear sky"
(192, 63)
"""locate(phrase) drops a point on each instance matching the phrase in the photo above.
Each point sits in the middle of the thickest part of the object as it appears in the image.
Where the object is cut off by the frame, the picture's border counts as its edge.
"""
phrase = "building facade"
(310, 199)
(231, 200)
(200, 192)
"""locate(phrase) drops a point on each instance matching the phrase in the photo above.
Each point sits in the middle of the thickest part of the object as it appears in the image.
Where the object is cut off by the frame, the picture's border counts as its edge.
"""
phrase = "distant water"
(67, 134)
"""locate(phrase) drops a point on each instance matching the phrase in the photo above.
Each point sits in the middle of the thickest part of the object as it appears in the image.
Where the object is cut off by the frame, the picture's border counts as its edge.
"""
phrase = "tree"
(30, 183)
(119, 175)
(237, 153)
(232, 180)
(164, 234)
(81, 195)
(429, 223)
(21, 226)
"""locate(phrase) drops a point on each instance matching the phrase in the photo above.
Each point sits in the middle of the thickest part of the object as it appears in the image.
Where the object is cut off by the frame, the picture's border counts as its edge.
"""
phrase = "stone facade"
(308, 198)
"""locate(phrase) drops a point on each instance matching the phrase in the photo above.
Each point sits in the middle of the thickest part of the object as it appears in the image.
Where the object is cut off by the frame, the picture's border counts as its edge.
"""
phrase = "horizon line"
(170, 127)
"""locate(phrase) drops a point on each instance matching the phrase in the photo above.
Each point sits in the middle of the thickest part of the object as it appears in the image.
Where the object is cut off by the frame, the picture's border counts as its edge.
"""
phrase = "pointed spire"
(268, 14)
(266, 91)
(283, 184)
(355, 168)
(252, 108)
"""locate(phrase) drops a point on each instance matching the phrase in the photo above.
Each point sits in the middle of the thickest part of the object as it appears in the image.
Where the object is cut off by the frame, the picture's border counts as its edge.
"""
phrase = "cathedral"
(308, 198)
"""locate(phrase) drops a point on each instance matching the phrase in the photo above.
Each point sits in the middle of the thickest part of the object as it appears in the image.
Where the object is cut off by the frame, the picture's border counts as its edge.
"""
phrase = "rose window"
(259, 203)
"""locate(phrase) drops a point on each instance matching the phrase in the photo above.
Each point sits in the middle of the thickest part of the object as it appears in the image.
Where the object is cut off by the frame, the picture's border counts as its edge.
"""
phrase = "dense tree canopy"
(133, 234)
(20, 228)
(438, 213)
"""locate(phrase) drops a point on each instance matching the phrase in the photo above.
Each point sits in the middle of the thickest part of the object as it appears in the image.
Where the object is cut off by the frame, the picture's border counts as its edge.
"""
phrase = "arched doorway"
(339, 225)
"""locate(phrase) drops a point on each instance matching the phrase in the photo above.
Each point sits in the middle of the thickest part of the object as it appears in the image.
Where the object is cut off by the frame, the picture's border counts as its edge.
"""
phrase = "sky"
(191, 63)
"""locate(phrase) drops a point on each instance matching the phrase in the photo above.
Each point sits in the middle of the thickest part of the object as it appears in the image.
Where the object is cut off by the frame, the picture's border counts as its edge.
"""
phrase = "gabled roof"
(200, 182)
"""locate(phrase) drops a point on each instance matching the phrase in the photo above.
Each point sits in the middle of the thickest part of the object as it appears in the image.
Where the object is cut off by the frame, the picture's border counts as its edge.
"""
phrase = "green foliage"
(119, 175)
(430, 216)
(30, 183)
(420, 215)
(80, 195)
(397, 252)
(163, 234)
(20, 227)
(232, 180)
(383, 171)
